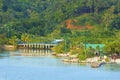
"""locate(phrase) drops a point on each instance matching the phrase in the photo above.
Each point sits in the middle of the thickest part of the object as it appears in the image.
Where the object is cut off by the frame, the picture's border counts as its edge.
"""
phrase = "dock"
(36, 46)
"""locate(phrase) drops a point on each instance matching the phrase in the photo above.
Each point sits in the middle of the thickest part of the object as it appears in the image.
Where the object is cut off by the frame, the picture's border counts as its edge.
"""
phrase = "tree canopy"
(87, 21)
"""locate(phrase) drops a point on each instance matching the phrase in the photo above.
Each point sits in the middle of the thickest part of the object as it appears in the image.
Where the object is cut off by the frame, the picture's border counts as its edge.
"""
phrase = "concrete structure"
(36, 46)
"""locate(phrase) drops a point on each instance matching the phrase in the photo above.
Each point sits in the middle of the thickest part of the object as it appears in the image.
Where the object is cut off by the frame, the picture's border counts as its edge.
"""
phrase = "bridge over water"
(40, 45)
(36, 45)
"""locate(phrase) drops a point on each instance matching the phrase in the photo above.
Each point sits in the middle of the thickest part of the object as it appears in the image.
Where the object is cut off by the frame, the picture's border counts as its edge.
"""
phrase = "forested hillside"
(54, 18)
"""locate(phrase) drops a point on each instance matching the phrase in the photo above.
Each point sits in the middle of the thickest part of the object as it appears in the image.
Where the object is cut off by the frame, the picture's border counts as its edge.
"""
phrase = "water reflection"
(34, 52)
(3, 53)
(112, 67)
(51, 68)
(48, 60)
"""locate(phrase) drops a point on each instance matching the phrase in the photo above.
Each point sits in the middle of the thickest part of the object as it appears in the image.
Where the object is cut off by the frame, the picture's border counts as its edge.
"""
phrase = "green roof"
(94, 45)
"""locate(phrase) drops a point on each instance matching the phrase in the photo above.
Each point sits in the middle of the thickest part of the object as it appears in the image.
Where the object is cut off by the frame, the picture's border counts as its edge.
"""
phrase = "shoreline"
(67, 58)
(8, 47)
(95, 62)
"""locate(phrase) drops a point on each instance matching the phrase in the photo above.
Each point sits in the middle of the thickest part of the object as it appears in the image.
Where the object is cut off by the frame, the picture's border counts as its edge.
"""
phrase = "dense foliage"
(87, 21)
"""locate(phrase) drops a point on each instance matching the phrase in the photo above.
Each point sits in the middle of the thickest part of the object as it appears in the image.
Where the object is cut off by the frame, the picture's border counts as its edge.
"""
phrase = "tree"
(59, 48)
(115, 24)
(82, 55)
(55, 34)
(1, 4)
(90, 52)
(108, 17)
(25, 37)
(3, 39)
(13, 40)
(47, 17)
(113, 47)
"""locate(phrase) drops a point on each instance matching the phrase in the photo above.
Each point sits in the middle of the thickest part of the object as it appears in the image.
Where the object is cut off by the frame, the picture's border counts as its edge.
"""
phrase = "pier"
(48, 45)
(36, 46)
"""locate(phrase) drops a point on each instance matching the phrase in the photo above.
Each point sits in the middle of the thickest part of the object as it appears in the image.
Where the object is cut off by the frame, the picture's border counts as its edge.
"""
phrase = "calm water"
(43, 66)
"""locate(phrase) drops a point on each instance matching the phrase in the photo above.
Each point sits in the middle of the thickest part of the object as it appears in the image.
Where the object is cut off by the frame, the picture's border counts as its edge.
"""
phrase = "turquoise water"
(48, 67)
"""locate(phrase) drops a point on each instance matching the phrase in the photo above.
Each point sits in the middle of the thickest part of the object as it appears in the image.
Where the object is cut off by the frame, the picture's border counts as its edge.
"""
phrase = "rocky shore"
(96, 61)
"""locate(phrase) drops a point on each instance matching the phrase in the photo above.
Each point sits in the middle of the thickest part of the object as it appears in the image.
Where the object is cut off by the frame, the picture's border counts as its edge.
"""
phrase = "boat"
(96, 64)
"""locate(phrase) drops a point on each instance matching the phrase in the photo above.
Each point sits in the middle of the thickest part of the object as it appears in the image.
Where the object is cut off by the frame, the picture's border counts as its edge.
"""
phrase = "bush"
(82, 55)
(107, 60)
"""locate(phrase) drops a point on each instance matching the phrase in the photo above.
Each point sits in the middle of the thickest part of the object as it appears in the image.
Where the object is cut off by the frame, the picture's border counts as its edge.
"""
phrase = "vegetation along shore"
(90, 29)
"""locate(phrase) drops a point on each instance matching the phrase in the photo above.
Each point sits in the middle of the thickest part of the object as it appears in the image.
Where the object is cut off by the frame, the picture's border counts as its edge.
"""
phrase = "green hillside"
(47, 18)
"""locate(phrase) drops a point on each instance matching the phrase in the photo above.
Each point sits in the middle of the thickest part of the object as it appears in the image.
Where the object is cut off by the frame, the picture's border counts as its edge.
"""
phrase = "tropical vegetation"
(75, 21)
